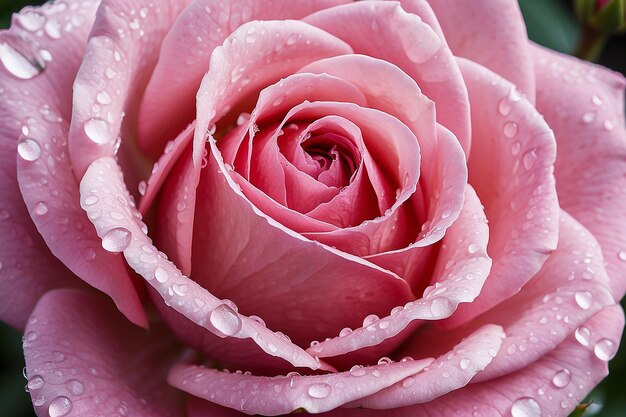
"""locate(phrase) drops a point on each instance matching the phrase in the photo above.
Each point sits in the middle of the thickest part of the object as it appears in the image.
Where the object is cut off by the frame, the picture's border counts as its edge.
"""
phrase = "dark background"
(551, 23)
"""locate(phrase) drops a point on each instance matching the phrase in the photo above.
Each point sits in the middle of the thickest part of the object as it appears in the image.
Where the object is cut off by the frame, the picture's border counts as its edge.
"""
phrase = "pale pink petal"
(491, 33)
(451, 371)
(552, 386)
(121, 54)
(271, 396)
(571, 287)
(39, 118)
(383, 30)
(584, 104)
(511, 168)
(201, 27)
(83, 358)
(455, 283)
(162, 168)
(247, 256)
(119, 225)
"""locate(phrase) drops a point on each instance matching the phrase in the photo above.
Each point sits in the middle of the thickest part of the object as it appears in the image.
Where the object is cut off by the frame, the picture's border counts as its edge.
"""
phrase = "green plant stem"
(590, 44)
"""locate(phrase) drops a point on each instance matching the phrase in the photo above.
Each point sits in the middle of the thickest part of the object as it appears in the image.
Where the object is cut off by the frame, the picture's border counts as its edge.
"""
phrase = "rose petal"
(383, 30)
(491, 33)
(451, 371)
(79, 351)
(247, 256)
(584, 104)
(279, 395)
(38, 109)
(121, 229)
(456, 282)
(201, 27)
(511, 168)
(121, 53)
(571, 287)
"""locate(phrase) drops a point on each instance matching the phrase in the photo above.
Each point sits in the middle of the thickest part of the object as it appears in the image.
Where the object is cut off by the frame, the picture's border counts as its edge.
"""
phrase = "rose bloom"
(360, 208)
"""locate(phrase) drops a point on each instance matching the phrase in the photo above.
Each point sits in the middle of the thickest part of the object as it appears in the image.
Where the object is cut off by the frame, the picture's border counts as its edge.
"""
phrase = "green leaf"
(550, 23)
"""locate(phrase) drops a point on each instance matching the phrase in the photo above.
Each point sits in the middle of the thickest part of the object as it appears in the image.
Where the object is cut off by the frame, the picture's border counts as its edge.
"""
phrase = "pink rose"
(362, 205)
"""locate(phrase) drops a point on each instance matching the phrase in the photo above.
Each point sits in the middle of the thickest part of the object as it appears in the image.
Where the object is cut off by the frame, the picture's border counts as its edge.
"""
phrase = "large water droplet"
(60, 407)
(31, 21)
(29, 149)
(562, 378)
(161, 274)
(320, 390)
(75, 387)
(224, 319)
(19, 64)
(367, 321)
(525, 407)
(605, 349)
(583, 336)
(35, 382)
(97, 130)
(116, 240)
(584, 299)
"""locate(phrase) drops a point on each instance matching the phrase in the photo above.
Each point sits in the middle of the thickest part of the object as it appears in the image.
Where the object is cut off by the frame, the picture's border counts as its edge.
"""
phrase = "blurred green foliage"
(551, 23)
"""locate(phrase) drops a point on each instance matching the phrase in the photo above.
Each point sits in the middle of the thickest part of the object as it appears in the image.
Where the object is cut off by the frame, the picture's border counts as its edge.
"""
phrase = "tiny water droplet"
(370, 320)
(89, 254)
(91, 199)
(116, 240)
(504, 106)
(525, 407)
(465, 363)
(596, 100)
(472, 248)
(75, 387)
(161, 274)
(510, 129)
(608, 125)
(39, 400)
(141, 187)
(320, 390)
(605, 349)
(35, 382)
(224, 319)
(584, 299)
(562, 378)
(97, 130)
(41, 208)
(60, 406)
(589, 117)
(103, 97)
(583, 336)
(529, 158)
(29, 149)
(345, 331)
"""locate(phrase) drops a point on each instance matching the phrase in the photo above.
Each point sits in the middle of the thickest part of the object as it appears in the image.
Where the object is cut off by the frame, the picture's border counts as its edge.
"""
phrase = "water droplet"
(583, 336)
(357, 370)
(60, 407)
(504, 106)
(370, 319)
(510, 129)
(525, 407)
(116, 240)
(18, 64)
(596, 100)
(472, 248)
(224, 319)
(161, 274)
(465, 363)
(141, 187)
(35, 382)
(31, 21)
(589, 117)
(39, 400)
(608, 125)
(103, 97)
(29, 149)
(562, 378)
(529, 159)
(89, 254)
(320, 390)
(605, 349)
(345, 331)
(91, 199)
(41, 208)
(384, 361)
(584, 299)
(75, 387)
(622, 255)
(53, 29)
(97, 130)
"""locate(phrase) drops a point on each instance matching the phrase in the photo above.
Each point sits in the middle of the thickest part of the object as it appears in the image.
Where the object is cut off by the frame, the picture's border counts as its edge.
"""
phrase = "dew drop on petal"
(525, 407)
(370, 319)
(75, 387)
(583, 336)
(605, 349)
(41, 208)
(19, 65)
(35, 382)
(562, 378)
(29, 149)
(60, 407)
(510, 129)
(584, 299)
(90, 200)
(161, 274)
(320, 390)
(97, 130)
(622, 255)
(465, 363)
(224, 319)
(116, 240)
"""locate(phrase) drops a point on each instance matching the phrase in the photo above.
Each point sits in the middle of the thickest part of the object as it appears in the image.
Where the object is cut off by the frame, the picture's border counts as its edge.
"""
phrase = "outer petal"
(511, 168)
(270, 396)
(202, 27)
(383, 30)
(584, 104)
(492, 33)
(37, 111)
(122, 51)
(84, 359)
(551, 386)
(119, 224)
